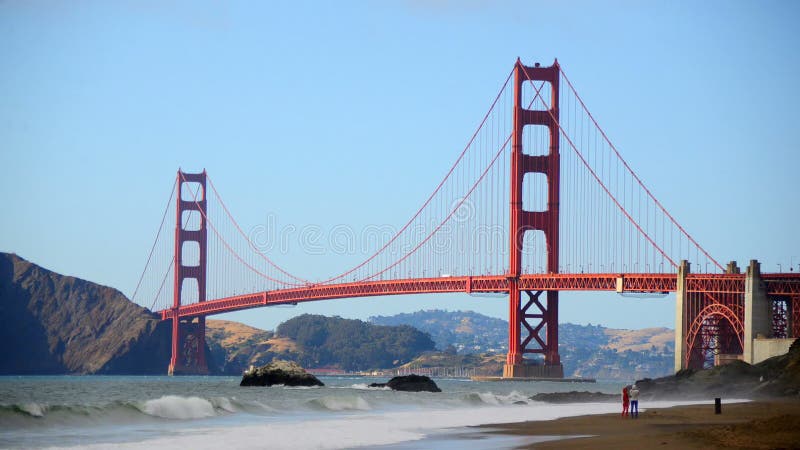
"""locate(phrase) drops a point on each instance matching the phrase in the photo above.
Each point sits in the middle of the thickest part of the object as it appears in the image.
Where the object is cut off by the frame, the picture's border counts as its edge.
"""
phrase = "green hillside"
(352, 344)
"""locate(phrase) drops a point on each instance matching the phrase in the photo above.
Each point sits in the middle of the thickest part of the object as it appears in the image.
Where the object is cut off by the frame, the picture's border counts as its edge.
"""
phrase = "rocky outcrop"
(410, 383)
(55, 324)
(776, 377)
(575, 397)
(781, 374)
(285, 373)
(737, 379)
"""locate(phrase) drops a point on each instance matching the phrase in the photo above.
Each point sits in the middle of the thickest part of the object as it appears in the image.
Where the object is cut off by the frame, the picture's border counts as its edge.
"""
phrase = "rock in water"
(410, 383)
(287, 373)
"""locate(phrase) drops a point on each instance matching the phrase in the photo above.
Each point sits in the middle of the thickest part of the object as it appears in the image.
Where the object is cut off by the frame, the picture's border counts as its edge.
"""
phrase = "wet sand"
(753, 425)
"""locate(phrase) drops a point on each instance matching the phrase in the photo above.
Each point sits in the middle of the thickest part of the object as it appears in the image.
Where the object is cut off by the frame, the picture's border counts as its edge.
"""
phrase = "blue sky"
(311, 111)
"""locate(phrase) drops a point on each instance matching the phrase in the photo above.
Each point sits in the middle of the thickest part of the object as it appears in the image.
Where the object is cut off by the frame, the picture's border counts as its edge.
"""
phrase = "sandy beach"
(771, 424)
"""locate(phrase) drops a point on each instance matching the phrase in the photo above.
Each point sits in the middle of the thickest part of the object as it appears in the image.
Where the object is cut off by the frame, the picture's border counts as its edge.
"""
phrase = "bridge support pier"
(757, 310)
(731, 320)
(547, 315)
(709, 325)
(681, 320)
(188, 347)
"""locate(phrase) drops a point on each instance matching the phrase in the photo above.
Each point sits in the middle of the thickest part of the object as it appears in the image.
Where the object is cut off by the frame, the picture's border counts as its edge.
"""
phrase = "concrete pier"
(681, 299)
(529, 371)
(757, 310)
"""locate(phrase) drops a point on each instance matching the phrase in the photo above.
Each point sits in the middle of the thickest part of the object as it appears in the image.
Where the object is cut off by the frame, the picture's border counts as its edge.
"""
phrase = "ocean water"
(215, 412)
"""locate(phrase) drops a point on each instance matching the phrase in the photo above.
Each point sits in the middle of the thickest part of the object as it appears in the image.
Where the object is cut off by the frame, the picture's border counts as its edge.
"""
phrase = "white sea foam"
(368, 429)
(34, 409)
(176, 407)
(365, 387)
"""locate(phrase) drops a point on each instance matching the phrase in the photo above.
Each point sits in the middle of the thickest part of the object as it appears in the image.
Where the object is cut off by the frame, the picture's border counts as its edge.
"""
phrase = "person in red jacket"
(625, 401)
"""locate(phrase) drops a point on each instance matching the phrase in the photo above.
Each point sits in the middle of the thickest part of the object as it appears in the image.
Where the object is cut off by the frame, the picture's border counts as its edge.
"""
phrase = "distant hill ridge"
(466, 331)
(590, 351)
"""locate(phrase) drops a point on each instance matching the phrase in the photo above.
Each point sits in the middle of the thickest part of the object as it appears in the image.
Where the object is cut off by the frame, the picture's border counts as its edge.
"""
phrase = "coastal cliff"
(56, 324)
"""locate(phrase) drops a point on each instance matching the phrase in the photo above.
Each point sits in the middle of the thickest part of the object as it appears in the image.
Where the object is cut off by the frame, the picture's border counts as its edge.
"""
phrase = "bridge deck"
(776, 284)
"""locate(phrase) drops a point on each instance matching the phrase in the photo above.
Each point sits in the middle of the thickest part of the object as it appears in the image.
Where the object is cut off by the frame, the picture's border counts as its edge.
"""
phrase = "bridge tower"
(189, 335)
(522, 220)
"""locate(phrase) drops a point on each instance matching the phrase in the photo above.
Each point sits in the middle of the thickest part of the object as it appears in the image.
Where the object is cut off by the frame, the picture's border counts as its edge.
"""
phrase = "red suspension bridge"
(538, 201)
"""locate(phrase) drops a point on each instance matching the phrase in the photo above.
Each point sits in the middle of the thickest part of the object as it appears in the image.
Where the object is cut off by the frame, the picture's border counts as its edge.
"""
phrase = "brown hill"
(640, 340)
(236, 346)
(229, 333)
(60, 324)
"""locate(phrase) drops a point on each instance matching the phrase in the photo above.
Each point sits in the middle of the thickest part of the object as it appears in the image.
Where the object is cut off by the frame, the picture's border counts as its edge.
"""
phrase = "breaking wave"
(344, 403)
(176, 407)
(488, 398)
(172, 407)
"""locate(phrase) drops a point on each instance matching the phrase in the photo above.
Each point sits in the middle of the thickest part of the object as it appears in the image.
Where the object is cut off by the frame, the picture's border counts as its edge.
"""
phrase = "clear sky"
(343, 112)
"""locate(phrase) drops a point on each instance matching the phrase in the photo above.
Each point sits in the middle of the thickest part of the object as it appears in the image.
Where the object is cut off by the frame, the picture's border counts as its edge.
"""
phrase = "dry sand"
(753, 425)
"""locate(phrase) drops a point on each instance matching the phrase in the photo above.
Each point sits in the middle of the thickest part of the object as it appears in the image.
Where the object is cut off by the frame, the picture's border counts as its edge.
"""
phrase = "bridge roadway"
(775, 284)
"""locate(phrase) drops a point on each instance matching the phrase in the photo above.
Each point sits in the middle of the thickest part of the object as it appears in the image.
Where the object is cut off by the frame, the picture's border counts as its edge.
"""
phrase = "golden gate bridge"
(538, 201)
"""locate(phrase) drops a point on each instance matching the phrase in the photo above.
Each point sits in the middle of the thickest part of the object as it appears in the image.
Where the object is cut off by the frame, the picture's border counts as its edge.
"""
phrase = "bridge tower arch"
(189, 334)
(522, 220)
